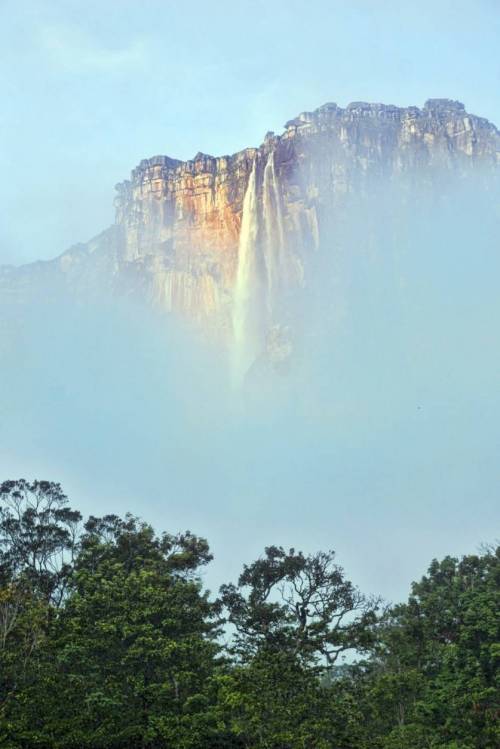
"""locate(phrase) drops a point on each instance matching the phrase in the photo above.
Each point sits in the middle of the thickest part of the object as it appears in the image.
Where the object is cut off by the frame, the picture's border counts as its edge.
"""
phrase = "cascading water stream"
(261, 267)
(246, 313)
(274, 235)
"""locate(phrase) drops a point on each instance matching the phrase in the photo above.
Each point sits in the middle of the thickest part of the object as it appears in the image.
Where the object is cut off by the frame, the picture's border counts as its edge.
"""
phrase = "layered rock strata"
(220, 240)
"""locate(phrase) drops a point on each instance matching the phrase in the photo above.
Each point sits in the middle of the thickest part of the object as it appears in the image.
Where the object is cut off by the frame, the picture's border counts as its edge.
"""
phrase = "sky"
(91, 88)
(386, 447)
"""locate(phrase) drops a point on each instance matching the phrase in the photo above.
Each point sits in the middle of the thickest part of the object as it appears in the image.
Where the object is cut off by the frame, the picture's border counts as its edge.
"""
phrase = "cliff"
(221, 240)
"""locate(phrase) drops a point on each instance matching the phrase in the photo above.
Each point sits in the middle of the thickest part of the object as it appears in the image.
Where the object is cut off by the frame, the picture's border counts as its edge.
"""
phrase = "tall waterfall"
(261, 266)
(274, 235)
(247, 326)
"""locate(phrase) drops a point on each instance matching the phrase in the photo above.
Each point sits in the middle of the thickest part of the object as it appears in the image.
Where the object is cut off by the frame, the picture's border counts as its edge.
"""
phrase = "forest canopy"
(108, 638)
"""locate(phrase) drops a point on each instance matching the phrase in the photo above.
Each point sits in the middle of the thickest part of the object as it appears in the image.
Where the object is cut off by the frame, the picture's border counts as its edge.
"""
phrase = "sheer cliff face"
(182, 221)
(221, 240)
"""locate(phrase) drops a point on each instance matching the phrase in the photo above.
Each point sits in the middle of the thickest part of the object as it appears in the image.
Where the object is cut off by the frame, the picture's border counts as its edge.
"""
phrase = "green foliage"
(38, 537)
(302, 605)
(108, 640)
(434, 680)
(127, 660)
(138, 638)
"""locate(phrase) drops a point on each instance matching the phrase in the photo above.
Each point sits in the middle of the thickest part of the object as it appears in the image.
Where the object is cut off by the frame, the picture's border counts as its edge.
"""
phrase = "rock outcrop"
(221, 240)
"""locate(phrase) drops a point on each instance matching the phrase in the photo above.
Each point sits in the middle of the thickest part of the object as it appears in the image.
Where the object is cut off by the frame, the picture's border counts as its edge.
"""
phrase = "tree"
(38, 537)
(131, 654)
(38, 540)
(294, 616)
(434, 681)
(302, 604)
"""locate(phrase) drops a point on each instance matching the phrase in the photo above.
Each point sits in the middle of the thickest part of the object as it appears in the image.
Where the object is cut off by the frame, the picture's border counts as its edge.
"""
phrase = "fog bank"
(381, 441)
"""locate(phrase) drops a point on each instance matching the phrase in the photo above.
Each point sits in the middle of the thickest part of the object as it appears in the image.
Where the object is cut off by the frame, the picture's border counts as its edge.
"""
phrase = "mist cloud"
(381, 441)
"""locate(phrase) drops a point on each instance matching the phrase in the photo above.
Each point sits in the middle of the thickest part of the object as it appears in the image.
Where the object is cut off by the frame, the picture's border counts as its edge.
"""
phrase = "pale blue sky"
(90, 88)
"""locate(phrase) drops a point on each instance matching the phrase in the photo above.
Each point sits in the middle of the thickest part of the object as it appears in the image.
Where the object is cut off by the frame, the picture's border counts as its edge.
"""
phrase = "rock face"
(221, 240)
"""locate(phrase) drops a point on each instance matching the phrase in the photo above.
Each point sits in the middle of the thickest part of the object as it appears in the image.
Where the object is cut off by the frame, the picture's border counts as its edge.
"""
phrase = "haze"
(382, 442)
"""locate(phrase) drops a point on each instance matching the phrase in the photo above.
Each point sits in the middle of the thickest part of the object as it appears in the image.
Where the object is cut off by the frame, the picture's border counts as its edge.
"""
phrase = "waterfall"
(261, 267)
(247, 311)
(274, 235)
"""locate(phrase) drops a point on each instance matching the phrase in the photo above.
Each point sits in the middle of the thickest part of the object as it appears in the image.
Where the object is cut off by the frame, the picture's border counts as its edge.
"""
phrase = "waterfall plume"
(261, 266)
(247, 309)
(274, 235)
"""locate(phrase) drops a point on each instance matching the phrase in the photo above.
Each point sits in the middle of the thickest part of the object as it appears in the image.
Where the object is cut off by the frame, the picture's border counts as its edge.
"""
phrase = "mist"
(381, 440)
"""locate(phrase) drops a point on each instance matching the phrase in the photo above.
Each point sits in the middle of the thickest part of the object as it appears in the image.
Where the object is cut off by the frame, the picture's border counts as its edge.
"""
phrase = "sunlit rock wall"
(177, 242)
